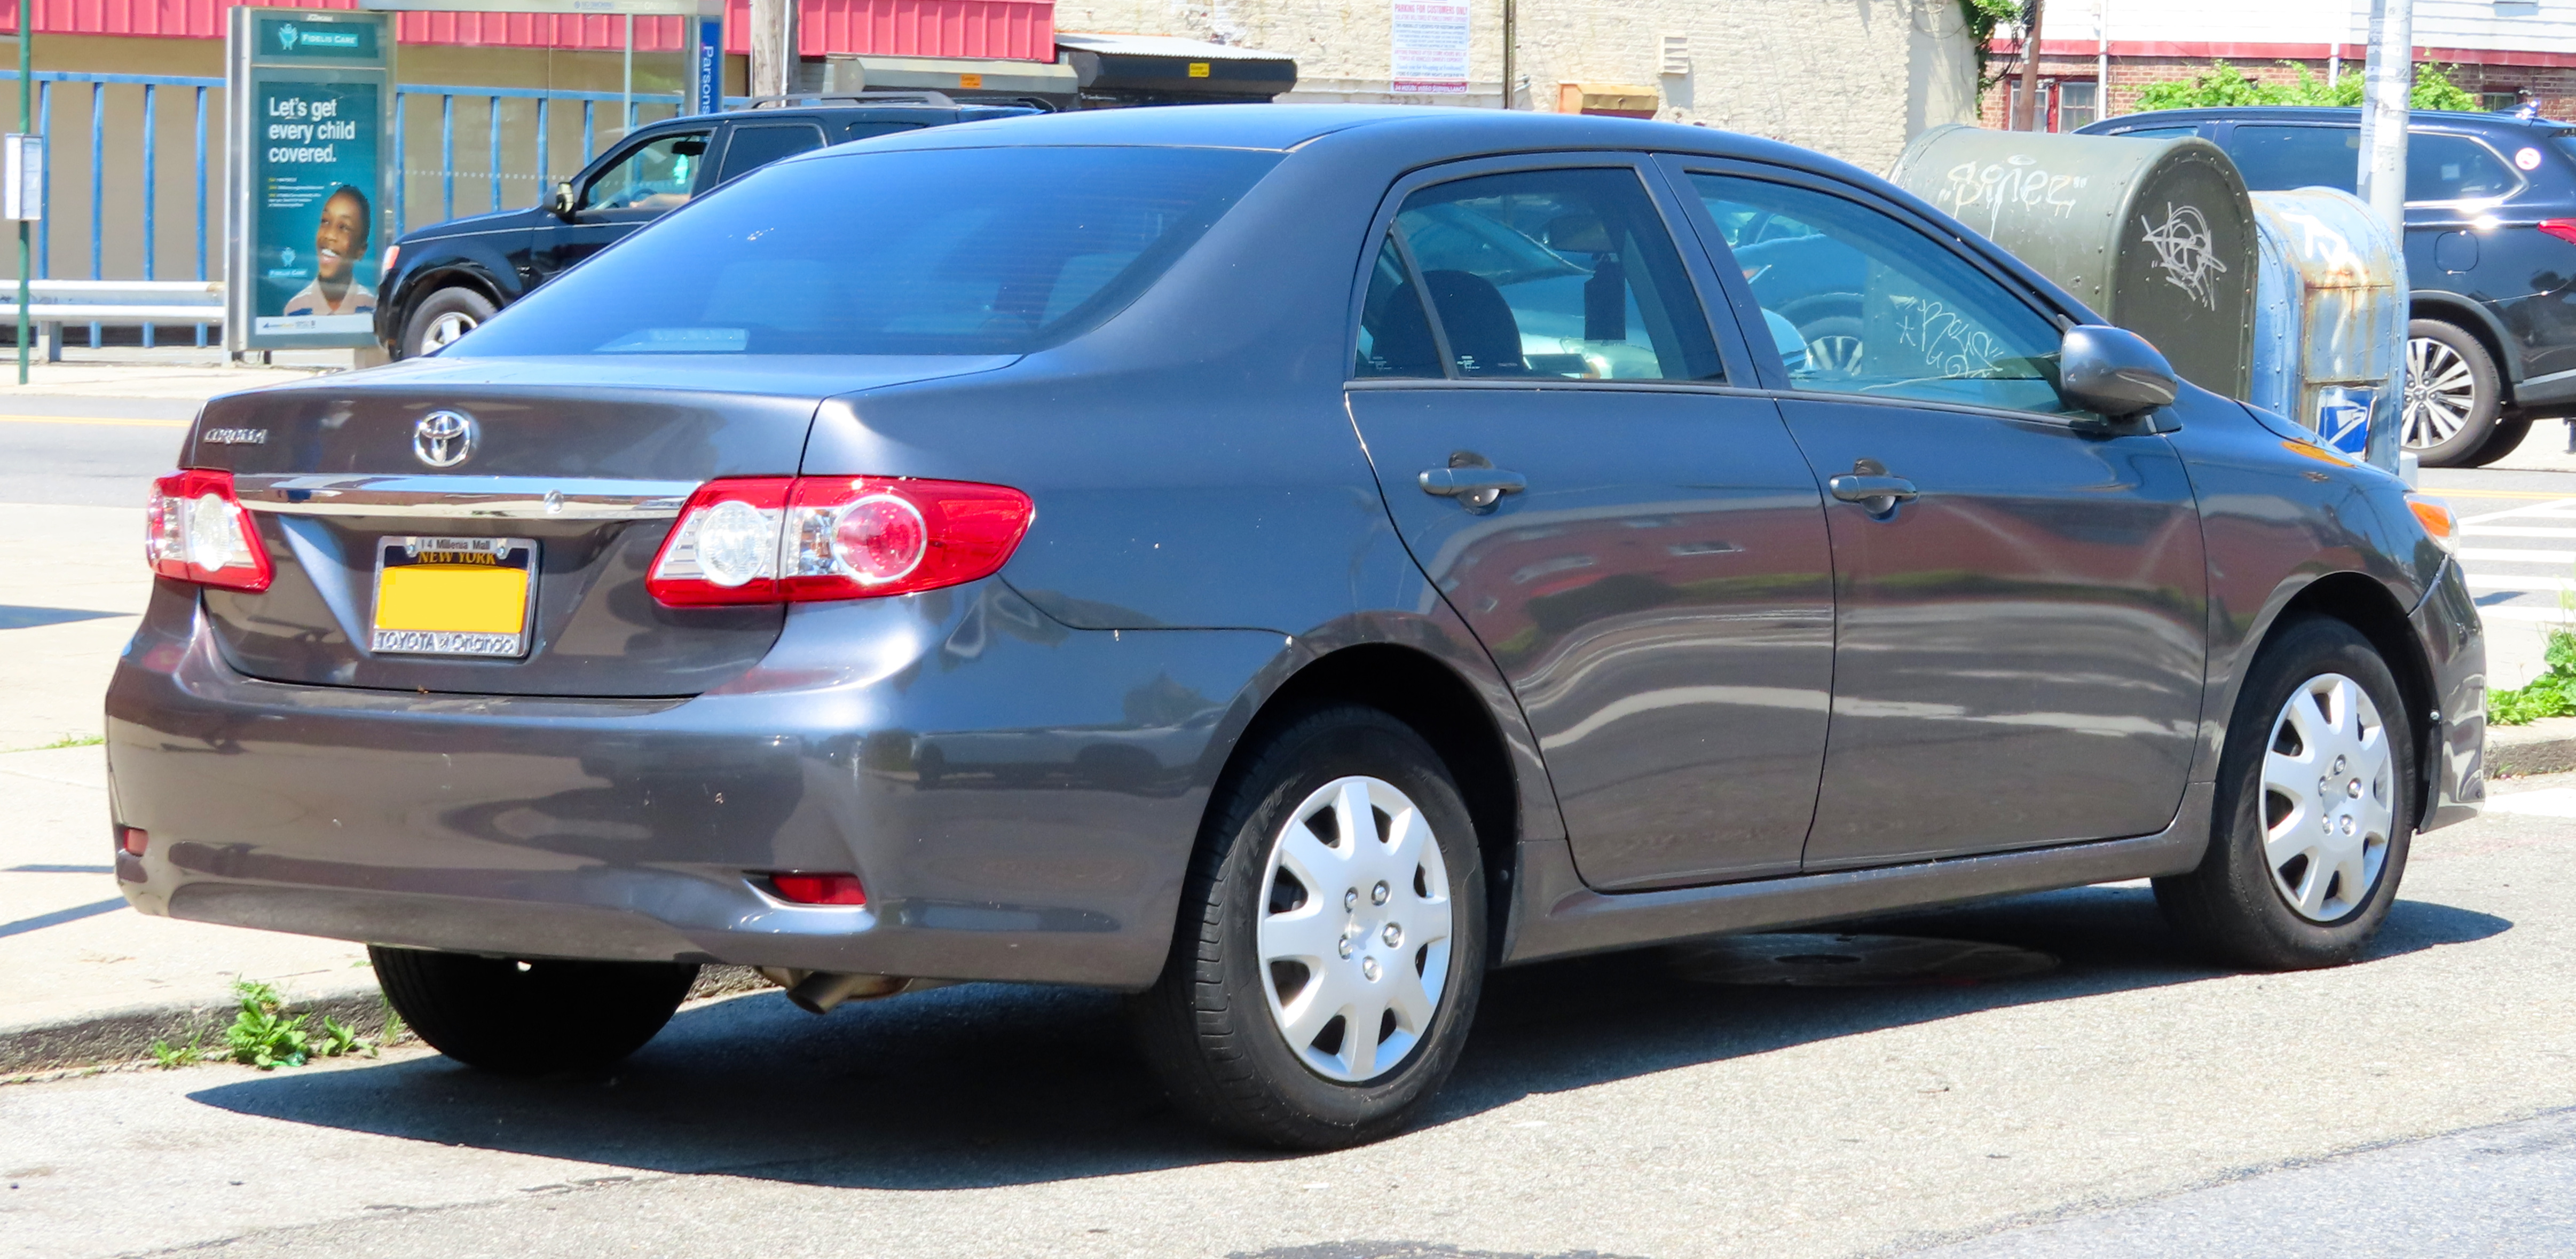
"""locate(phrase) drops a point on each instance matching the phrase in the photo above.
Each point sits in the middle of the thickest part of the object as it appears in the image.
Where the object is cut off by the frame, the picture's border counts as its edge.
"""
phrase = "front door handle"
(1478, 488)
(1878, 495)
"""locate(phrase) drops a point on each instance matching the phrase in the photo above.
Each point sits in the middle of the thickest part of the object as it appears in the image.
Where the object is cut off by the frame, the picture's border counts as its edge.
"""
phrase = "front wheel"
(2314, 810)
(1331, 941)
(530, 1017)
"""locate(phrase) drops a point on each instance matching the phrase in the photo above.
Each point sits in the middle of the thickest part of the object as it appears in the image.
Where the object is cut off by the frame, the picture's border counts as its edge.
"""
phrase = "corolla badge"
(443, 439)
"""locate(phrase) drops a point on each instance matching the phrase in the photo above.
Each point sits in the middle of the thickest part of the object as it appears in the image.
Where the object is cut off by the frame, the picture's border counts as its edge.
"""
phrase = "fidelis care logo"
(287, 36)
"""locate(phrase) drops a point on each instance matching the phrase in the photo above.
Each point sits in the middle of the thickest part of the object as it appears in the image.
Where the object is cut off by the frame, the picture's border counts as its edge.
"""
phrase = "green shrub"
(2224, 85)
(2552, 694)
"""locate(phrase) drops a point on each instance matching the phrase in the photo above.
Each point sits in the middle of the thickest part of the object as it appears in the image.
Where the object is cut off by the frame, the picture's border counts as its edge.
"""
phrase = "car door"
(2019, 590)
(748, 146)
(648, 178)
(1627, 528)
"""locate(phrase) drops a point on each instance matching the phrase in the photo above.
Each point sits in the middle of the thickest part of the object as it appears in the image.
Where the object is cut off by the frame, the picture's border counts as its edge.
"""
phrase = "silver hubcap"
(1354, 937)
(2440, 393)
(445, 329)
(2328, 798)
(1836, 355)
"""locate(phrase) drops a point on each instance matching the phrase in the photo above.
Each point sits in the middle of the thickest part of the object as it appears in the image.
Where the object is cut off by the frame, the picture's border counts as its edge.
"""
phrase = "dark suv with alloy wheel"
(444, 280)
(2490, 253)
(1278, 562)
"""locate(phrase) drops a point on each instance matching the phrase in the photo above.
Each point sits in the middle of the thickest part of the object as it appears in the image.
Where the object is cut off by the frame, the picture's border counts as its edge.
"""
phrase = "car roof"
(1288, 127)
(2438, 118)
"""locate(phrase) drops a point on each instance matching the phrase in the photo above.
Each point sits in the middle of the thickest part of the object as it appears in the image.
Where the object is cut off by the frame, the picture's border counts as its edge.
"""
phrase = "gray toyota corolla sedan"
(1280, 562)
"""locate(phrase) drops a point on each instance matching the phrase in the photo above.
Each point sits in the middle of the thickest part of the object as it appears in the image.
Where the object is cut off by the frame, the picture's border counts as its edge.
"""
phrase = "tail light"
(797, 539)
(2563, 229)
(819, 889)
(195, 530)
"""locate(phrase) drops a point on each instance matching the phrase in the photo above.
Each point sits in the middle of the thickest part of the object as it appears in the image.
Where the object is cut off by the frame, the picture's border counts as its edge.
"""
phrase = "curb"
(125, 1034)
(2546, 746)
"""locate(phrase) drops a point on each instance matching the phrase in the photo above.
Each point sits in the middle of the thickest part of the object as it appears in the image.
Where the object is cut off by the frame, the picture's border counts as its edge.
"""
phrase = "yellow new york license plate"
(454, 596)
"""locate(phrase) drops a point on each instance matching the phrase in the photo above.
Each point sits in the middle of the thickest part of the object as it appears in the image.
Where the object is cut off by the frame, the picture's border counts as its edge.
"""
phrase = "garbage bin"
(2330, 320)
(2156, 235)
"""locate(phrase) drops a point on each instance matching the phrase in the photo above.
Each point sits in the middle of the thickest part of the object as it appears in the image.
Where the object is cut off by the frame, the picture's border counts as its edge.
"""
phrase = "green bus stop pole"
(26, 126)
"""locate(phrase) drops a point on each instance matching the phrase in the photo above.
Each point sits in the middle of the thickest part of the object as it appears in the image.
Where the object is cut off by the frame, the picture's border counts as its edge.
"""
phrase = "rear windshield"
(957, 251)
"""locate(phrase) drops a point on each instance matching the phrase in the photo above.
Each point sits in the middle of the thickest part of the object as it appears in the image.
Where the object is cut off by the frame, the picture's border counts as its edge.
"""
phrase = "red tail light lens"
(2563, 229)
(819, 889)
(794, 539)
(196, 530)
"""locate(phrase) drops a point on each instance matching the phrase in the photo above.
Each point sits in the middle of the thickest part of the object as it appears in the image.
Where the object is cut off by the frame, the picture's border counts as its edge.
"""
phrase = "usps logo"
(2343, 418)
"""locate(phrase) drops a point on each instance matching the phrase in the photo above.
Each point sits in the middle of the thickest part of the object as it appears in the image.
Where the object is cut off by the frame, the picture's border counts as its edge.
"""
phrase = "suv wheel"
(2313, 816)
(530, 1017)
(2452, 394)
(442, 317)
(1331, 941)
(2506, 439)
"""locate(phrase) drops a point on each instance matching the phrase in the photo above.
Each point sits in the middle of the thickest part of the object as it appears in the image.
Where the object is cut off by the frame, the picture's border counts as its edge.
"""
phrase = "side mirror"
(563, 206)
(2113, 371)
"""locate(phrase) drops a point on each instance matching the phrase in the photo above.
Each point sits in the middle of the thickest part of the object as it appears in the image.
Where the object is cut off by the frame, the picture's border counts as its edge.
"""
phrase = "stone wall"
(1854, 78)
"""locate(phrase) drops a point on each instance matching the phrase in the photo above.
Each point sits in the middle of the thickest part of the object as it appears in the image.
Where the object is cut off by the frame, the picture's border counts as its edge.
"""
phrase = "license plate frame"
(478, 641)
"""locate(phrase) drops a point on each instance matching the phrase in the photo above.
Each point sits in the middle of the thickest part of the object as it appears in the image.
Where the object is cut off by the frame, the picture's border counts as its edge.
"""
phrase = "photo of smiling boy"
(340, 239)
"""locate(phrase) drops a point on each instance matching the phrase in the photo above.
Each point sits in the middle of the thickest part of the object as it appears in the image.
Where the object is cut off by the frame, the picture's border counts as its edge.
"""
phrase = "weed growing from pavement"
(67, 741)
(171, 1057)
(263, 1035)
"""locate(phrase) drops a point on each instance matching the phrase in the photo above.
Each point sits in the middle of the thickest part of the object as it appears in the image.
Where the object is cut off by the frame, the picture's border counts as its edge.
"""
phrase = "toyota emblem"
(443, 439)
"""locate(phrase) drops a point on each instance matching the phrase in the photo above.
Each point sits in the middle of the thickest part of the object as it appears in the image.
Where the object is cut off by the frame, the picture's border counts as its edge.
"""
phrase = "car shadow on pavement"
(991, 1084)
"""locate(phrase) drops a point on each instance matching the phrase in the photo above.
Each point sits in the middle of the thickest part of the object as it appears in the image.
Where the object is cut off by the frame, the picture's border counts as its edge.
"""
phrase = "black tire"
(1207, 1026)
(2447, 428)
(2232, 906)
(2507, 438)
(1834, 346)
(440, 312)
(532, 1017)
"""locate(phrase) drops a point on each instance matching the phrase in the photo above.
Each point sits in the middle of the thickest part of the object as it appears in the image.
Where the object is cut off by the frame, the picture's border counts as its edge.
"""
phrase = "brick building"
(2093, 52)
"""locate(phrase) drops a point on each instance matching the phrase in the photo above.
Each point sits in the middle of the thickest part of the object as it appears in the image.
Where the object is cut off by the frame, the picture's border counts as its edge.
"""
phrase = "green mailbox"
(2156, 235)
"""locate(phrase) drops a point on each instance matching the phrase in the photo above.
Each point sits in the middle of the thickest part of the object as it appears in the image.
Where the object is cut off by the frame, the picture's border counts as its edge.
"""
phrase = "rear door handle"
(1478, 488)
(1878, 494)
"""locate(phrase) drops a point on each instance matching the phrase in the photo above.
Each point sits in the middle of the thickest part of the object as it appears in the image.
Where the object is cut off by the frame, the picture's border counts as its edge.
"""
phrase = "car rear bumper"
(1020, 799)
(2455, 647)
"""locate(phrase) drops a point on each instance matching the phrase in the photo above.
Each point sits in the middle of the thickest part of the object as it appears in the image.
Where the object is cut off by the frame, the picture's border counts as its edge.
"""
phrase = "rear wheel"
(2314, 808)
(530, 1017)
(442, 317)
(1331, 940)
(2453, 394)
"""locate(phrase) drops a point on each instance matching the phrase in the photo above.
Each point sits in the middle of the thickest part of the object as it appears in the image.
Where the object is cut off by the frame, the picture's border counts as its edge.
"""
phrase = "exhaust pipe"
(818, 991)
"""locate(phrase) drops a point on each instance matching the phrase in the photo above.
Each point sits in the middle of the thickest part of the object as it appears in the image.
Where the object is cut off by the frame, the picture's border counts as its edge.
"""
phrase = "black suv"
(445, 279)
(2490, 251)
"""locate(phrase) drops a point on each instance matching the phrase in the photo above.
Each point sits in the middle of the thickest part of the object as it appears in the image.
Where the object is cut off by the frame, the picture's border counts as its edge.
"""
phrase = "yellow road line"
(113, 421)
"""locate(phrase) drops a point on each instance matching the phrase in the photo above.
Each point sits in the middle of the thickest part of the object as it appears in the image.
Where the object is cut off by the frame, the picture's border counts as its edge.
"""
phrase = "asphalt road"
(87, 452)
(2130, 1101)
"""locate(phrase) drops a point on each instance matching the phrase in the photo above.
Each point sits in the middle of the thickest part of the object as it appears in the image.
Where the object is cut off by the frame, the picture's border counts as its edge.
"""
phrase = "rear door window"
(2455, 168)
(1569, 274)
(754, 145)
(2273, 157)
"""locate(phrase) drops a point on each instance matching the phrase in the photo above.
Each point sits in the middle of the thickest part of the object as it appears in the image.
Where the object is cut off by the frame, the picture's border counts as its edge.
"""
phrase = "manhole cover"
(1836, 961)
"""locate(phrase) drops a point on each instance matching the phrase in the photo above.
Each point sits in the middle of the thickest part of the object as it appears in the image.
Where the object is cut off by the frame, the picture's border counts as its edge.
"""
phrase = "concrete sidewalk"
(168, 372)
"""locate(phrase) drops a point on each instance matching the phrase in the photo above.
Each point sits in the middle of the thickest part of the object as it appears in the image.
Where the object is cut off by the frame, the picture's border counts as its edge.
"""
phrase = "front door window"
(655, 176)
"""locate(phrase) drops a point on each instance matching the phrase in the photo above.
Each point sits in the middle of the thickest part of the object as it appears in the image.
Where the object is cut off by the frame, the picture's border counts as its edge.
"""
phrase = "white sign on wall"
(1430, 46)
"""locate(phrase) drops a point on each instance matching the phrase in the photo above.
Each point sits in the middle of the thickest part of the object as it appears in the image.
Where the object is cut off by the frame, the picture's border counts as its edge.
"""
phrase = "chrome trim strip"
(463, 497)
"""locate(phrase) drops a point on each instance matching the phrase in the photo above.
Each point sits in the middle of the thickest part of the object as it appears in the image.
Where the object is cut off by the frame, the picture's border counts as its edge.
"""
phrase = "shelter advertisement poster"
(310, 94)
(1430, 47)
(316, 203)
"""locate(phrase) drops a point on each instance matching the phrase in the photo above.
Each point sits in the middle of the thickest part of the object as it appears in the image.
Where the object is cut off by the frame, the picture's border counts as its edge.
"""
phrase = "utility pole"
(773, 47)
(2388, 80)
(2033, 118)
